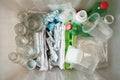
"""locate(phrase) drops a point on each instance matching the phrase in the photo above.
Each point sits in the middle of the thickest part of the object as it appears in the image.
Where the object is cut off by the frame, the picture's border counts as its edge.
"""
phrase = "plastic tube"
(37, 42)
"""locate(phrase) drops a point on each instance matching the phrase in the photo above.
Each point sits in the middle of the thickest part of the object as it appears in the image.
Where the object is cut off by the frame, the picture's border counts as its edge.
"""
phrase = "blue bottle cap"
(51, 26)
(56, 20)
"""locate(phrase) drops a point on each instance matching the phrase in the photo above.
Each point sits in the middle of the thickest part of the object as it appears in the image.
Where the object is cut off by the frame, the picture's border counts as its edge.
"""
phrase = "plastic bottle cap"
(104, 5)
(81, 16)
(68, 26)
(108, 19)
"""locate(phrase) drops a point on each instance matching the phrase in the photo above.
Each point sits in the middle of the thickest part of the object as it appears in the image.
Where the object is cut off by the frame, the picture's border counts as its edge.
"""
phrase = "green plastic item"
(70, 37)
(100, 7)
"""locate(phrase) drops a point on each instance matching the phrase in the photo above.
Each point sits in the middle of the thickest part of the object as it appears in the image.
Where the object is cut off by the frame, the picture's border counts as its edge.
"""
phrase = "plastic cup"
(97, 28)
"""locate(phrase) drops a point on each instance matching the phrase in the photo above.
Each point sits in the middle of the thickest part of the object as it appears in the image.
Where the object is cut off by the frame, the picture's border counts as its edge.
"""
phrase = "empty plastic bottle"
(22, 16)
(17, 58)
(100, 7)
(27, 51)
(21, 41)
(20, 29)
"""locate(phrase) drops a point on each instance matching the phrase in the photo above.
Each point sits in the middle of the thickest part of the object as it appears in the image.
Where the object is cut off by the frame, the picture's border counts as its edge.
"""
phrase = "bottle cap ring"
(108, 19)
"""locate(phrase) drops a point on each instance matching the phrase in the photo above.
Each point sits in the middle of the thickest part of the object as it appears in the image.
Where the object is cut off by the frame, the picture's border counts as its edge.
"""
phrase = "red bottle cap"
(68, 26)
(104, 5)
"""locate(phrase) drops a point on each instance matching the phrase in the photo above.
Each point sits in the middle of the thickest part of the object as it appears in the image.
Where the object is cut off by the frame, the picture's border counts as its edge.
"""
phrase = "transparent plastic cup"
(74, 55)
(103, 55)
(90, 58)
(97, 28)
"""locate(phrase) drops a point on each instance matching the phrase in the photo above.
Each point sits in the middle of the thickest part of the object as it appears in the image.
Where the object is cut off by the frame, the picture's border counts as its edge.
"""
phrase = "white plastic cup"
(97, 28)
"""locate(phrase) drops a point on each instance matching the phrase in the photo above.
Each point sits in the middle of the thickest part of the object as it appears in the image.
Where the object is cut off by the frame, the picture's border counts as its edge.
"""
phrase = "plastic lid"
(68, 26)
(104, 5)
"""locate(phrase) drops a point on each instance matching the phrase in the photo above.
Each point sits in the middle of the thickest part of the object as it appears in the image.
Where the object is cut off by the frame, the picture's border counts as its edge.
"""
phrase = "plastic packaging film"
(38, 5)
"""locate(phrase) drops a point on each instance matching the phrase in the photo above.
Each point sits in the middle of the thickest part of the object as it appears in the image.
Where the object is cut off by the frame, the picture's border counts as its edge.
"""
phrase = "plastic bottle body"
(97, 8)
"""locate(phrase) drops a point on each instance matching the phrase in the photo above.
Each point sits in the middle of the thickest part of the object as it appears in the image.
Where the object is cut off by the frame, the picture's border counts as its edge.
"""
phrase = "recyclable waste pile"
(63, 38)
